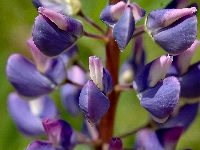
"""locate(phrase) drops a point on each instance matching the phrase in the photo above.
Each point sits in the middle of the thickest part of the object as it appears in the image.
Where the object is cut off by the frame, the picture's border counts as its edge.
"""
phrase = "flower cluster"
(167, 87)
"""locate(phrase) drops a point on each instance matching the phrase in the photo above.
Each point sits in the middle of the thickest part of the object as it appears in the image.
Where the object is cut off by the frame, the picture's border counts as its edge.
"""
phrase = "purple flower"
(28, 115)
(93, 102)
(54, 33)
(122, 17)
(152, 73)
(60, 136)
(26, 79)
(173, 29)
(161, 100)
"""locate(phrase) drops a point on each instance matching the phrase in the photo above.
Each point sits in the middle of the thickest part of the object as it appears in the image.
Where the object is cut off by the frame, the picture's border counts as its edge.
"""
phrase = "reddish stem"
(112, 64)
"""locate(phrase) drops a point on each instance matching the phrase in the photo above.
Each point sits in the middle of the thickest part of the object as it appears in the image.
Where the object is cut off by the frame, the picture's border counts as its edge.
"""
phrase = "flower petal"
(25, 77)
(93, 102)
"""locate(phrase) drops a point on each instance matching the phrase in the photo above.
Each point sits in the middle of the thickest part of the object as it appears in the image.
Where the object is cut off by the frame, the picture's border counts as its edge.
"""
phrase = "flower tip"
(158, 119)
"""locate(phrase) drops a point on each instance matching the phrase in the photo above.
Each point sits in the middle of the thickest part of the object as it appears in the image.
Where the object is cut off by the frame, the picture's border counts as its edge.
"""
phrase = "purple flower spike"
(190, 89)
(184, 117)
(124, 28)
(161, 100)
(175, 30)
(54, 33)
(25, 77)
(93, 102)
(27, 115)
(163, 139)
(60, 134)
(152, 73)
(69, 7)
(115, 144)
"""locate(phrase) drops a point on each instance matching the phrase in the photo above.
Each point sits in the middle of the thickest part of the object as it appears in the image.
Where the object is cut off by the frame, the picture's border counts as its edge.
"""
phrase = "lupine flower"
(157, 94)
(27, 80)
(70, 93)
(173, 29)
(67, 7)
(60, 136)
(93, 102)
(53, 68)
(162, 139)
(134, 63)
(54, 33)
(28, 115)
(32, 79)
(122, 17)
(115, 144)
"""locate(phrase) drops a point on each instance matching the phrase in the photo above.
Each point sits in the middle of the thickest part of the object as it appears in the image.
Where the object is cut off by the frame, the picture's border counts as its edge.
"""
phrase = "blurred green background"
(17, 18)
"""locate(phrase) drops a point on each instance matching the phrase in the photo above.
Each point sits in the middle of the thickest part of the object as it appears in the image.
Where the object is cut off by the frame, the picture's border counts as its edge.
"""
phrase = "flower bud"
(93, 102)
(122, 17)
(54, 33)
(152, 73)
(175, 30)
(115, 144)
(161, 100)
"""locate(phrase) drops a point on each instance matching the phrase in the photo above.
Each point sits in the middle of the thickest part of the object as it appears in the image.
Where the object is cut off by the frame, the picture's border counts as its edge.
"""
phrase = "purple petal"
(40, 145)
(124, 28)
(161, 100)
(169, 137)
(70, 99)
(161, 139)
(25, 77)
(184, 117)
(93, 102)
(141, 137)
(54, 33)
(107, 82)
(190, 83)
(59, 133)
(112, 13)
(183, 59)
(25, 120)
(55, 70)
(152, 73)
(138, 12)
(173, 29)
(70, 55)
(115, 144)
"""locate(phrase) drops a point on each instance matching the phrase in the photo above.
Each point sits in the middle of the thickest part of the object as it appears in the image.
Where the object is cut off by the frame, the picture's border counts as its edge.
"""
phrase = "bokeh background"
(16, 20)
